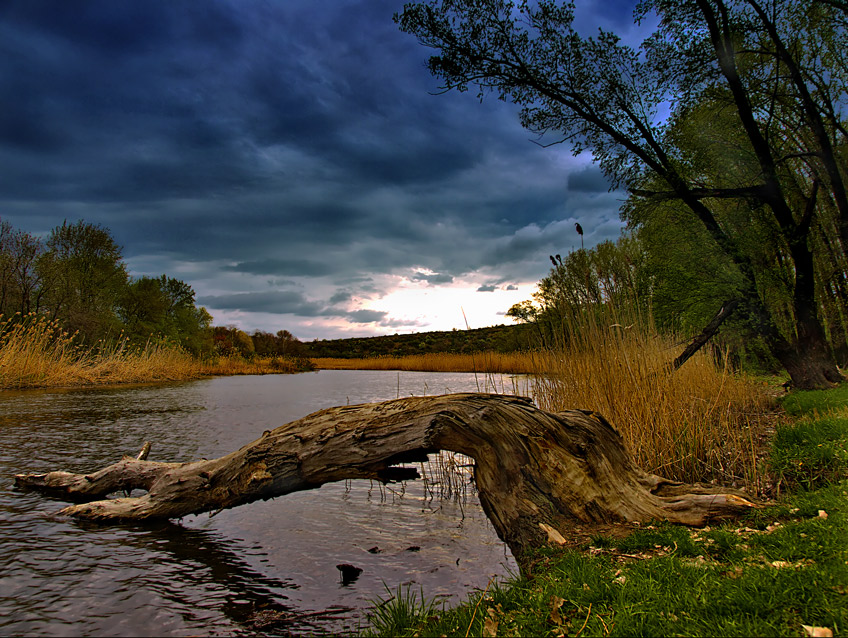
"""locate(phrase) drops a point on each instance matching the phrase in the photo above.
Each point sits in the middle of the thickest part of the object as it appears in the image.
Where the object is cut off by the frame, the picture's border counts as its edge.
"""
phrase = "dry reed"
(701, 423)
(36, 353)
(481, 362)
(226, 366)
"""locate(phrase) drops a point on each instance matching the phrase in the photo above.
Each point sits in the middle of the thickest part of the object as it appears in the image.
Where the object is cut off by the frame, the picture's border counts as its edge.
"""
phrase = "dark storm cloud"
(366, 316)
(295, 303)
(487, 288)
(589, 180)
(270, 266)
(432, 279)
(276, 302)
(239, 140)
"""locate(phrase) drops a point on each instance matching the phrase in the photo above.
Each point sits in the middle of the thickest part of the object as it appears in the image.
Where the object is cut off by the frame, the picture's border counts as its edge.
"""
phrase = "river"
(234, 572)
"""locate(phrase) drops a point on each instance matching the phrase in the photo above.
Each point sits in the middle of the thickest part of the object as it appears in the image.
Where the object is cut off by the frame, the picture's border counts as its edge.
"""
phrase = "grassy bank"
(36, 353)
(781, 572)
(480, 362)
(700, 423)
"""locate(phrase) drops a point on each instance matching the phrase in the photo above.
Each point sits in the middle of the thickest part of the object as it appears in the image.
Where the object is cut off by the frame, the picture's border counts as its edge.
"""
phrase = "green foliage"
(601, 286)
(281, 344)
(164, 308)
(812, 401)
(750, 153)
(395, 614)
(77, 277)
(813, 451)
(83, 278)
(492, 339)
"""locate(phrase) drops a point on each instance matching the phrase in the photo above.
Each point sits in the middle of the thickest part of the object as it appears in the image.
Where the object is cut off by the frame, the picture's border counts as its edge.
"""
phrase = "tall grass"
(482, 362)
(700, 423)
(35, 352)
(225, 366)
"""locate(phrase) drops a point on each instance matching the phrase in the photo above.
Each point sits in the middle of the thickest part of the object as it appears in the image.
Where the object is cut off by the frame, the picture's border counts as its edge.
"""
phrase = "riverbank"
(479, 362)
(781, 571)
(38, 354)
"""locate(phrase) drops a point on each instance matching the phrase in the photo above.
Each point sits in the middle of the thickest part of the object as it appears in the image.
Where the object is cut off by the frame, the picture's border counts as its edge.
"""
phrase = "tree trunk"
(706, 334)
(809, 361)
(538, 474)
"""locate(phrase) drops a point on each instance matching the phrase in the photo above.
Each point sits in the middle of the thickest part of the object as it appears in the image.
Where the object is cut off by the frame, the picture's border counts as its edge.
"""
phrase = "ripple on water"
(209, 575)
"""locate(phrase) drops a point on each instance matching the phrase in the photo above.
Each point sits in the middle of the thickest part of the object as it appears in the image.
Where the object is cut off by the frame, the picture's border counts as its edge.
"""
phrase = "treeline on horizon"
(501, 339)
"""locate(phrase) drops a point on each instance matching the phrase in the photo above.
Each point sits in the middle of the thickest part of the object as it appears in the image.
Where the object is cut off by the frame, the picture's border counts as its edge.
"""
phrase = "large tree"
(84, 278)
(164, 307)
(775, 66)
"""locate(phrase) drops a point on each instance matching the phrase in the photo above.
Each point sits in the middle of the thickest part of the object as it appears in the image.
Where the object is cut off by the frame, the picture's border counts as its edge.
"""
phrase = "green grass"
(812, 451)
(811, 401)
(783, 567)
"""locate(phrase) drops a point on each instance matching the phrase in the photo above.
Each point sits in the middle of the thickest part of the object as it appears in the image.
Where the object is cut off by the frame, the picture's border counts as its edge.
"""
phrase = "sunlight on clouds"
(440, 307)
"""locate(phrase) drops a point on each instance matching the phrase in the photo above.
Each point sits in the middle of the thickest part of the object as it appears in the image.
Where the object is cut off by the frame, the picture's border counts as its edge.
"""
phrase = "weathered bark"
(538, 474)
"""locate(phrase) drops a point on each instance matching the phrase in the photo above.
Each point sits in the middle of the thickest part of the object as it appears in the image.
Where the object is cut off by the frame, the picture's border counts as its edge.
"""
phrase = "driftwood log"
(538, 474)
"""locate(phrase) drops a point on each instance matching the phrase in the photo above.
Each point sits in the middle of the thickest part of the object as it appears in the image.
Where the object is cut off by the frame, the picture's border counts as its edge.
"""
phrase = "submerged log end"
(113, 509)
(58, 481)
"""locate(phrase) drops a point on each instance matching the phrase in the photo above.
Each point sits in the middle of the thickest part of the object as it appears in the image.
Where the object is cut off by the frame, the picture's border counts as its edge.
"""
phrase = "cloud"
(243, 145)
(432, 278)
(589, 180)
(487, 288)
(275, 301)
(271, 266)
(365, 316)
(341, 296)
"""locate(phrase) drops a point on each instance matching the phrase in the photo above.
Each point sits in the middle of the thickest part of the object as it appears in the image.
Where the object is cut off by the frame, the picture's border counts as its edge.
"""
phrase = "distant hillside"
(494, 338)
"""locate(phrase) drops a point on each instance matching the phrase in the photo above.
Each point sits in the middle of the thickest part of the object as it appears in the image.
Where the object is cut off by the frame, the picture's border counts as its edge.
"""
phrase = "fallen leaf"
(556, 603)
(780, 564)
(822, 514)
(553, 535)
(490, 627)
(817, 632)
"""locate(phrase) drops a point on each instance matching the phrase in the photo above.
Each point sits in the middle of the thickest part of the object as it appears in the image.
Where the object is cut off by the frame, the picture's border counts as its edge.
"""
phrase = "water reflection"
(223, 574)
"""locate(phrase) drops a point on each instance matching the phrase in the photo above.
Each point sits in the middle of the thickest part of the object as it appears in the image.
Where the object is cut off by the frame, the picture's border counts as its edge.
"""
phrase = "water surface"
(222, 574)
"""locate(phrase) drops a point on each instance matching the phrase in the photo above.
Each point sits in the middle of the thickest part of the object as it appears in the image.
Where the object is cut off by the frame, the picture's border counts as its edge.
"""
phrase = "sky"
(292, 160)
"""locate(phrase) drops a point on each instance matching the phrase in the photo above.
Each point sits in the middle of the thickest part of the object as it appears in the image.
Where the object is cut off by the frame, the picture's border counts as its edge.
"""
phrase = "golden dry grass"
(700, 423)
(226, 366)
(481, 362)
(36, 353)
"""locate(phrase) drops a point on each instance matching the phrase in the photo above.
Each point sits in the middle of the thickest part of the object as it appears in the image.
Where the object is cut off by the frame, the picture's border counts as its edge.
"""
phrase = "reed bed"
(226, 366)
(700, 423)
(36, 353)
(480, 362)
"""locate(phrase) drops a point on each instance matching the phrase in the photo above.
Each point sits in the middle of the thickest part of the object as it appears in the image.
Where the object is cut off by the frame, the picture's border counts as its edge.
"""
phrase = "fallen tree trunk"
(538, 474)
(706, 334)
